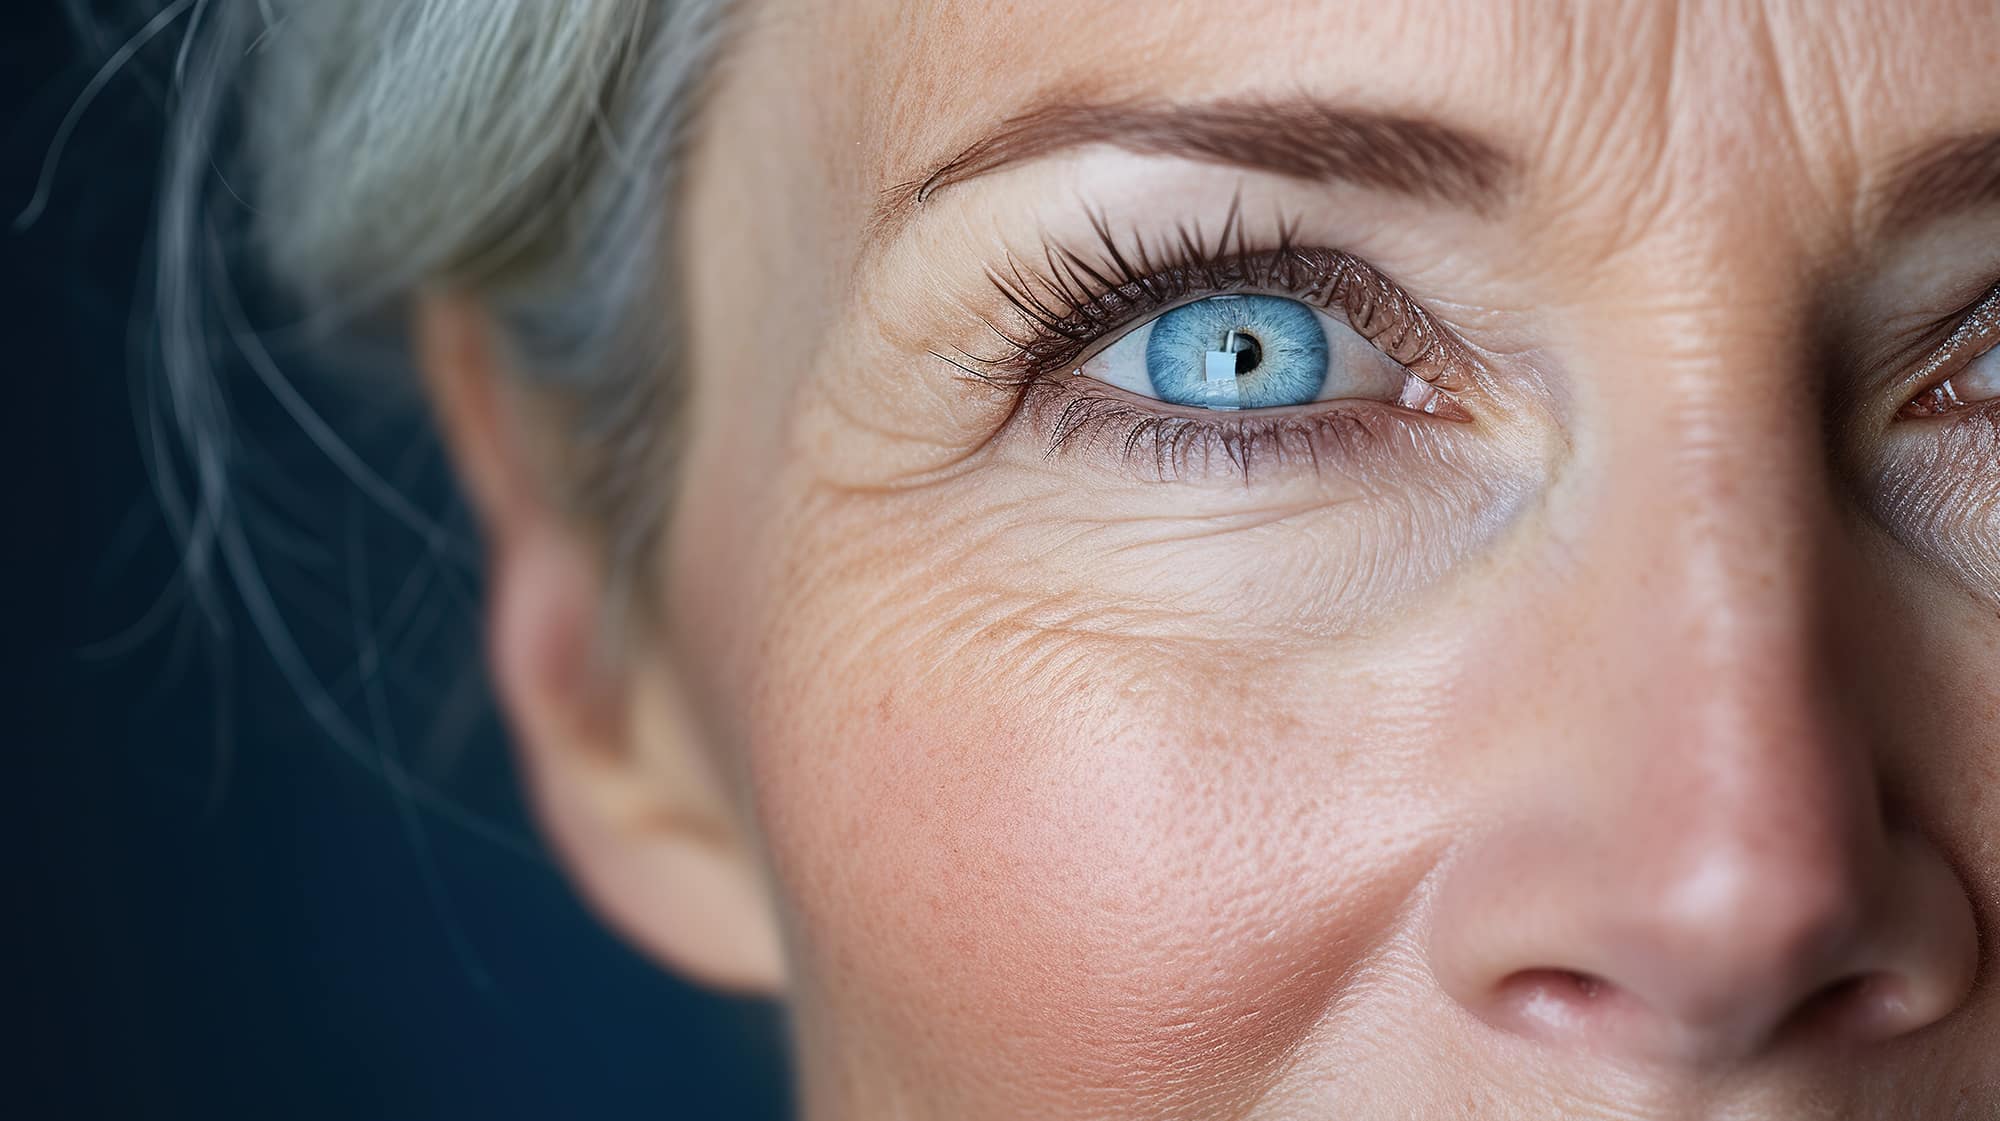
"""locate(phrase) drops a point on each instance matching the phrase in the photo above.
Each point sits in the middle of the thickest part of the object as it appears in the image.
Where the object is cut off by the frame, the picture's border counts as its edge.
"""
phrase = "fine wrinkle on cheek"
(1023, 554)
(1122, 865)
(1058, 652)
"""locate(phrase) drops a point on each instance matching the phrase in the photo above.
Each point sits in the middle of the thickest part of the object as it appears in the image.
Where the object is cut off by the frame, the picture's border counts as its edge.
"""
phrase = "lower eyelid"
(1156, 441)
(1937, 490)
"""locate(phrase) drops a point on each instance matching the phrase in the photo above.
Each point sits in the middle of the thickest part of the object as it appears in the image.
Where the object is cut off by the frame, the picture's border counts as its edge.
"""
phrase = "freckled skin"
(1087, 795)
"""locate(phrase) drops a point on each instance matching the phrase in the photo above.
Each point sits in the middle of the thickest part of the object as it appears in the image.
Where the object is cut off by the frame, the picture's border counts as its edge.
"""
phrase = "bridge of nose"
(1683, 807)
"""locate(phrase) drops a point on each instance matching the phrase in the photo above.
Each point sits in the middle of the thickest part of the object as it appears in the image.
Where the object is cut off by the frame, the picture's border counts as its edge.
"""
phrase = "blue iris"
(1245, 352)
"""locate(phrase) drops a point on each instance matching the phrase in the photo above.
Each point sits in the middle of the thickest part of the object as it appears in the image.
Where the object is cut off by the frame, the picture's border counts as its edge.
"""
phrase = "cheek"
(1046, 893)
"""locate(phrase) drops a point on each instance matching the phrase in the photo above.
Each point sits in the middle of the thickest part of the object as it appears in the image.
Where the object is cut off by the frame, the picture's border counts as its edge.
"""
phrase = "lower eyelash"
(1170, 446)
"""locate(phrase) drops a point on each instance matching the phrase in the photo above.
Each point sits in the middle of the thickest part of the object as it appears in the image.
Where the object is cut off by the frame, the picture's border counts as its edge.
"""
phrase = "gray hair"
(524, 152)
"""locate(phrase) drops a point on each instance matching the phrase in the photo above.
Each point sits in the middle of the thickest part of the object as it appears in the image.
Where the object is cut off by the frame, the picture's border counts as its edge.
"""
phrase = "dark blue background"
(218, 912)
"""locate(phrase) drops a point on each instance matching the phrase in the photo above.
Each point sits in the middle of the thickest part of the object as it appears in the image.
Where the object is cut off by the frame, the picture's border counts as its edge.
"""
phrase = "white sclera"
(1981, 380)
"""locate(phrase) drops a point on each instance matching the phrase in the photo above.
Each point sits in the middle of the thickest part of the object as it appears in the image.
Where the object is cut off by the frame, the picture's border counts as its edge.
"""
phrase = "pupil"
(1248, 351)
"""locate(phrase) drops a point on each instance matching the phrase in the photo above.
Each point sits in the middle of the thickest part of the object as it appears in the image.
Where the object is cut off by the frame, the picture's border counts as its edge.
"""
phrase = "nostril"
(1555, 1004)
(1561, 984)
(1829, 1009)
(1861, 1006)
(1571, 1007)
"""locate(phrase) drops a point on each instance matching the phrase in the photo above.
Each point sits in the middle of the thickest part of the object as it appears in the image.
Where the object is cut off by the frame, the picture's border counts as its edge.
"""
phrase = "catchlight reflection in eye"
(1247, 352)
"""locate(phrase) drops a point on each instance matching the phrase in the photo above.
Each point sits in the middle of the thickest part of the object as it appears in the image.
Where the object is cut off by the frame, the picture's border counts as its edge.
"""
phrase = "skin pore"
(1613, 743)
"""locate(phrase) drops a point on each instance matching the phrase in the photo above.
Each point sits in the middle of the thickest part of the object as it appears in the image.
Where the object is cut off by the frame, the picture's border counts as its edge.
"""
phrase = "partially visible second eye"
(1977, 383)
(1253, 352)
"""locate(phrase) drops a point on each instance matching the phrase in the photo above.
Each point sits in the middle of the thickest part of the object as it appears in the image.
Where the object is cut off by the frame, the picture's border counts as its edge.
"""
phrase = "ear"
(615, 763)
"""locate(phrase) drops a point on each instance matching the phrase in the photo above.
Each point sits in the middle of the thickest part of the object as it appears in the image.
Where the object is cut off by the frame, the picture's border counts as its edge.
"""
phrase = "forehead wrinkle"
(1825, 78)
(1599, 169)
(1631, 114)
(1849, 116)
(1903, 164)
(1728, 117)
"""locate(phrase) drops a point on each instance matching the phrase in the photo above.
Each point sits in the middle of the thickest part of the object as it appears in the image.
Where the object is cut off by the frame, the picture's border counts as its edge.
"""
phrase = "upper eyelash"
(1071, 301)
(1973, 326)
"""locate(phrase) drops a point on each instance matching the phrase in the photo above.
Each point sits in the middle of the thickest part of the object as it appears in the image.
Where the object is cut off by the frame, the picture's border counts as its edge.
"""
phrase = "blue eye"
(1247, 352)
(1237, 352)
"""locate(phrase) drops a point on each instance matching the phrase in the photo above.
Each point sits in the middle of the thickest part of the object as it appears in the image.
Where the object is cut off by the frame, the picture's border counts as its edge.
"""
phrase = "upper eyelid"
(1071, 301)
(1092, 323)
(1948, 345)
(1978, 324)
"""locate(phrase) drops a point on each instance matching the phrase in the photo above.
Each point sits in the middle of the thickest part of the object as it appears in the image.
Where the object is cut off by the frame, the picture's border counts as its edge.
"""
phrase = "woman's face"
(1561, 685)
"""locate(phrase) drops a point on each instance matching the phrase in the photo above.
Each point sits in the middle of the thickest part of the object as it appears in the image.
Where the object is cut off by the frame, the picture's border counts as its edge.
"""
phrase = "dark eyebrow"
(1943, 178)
(1301, 138)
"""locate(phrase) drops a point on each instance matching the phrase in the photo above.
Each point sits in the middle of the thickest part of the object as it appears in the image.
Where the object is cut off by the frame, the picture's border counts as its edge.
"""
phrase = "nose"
(1687, 857)
(1716, 945)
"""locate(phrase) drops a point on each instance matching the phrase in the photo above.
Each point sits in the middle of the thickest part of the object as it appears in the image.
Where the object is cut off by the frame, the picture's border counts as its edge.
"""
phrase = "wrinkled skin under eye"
(1232, 352)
